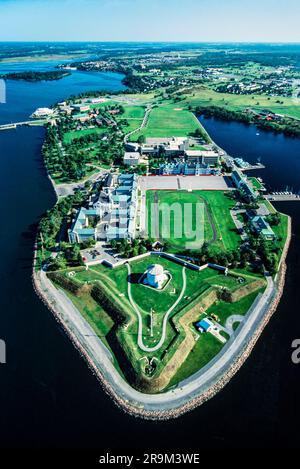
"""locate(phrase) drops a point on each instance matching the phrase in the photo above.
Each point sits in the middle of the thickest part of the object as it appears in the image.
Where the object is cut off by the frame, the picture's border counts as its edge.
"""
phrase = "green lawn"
(115, 283)
(223, 309)
(75, 134)
(220, 205)
(169, 120)
(256, 183)
(132, 124)
(281, 231)
(205, 349)
(218, 226)
(133, 112)
(207, 346)
(234, 102)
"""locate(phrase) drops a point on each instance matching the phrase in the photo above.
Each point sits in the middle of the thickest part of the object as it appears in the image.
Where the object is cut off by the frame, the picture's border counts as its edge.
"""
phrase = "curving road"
(189, 389)
(231, 320)
(143, 124)
(165, 320)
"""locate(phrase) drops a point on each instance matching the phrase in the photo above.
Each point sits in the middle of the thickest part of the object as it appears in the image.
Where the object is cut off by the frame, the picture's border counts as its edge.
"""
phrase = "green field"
(218, 227)
(133, 112)
(234, 102)
(115, 283)
(169, 120)
(133, 115)
(207, 346)
(205, 349)
(75, 134)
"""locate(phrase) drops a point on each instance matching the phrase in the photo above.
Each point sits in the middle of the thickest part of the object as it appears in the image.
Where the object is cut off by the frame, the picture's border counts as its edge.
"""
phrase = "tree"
(141, 139)
(113, 243)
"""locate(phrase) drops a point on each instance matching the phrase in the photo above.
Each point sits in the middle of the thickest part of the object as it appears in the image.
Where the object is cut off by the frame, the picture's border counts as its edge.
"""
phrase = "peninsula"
(163, 258)
(35, 76)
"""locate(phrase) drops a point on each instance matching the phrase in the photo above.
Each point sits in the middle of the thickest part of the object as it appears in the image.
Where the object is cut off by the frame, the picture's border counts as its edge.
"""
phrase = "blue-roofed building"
(262, 227)
(204, 325)
(80, 230)
(241, 182)
(116, 207)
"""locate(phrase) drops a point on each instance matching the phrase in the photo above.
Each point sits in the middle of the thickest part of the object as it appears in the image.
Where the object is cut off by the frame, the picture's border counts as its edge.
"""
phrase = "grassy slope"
(207, 97)
(207, 346)
(70, 136)
(169, 120)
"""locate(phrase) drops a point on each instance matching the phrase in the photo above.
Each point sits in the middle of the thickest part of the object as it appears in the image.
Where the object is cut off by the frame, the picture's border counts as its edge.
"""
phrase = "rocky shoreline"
(137, 411)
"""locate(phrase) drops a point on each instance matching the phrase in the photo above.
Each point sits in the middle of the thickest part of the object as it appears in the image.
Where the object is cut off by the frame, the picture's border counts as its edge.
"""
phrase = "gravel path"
(166, 316)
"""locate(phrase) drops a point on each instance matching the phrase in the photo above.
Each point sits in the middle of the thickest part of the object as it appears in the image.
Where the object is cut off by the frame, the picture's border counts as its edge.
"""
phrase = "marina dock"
(282, 197)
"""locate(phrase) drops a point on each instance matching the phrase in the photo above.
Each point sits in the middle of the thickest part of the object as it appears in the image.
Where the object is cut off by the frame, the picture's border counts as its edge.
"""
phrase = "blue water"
(22, 97)
(49, 398)
(280, 154)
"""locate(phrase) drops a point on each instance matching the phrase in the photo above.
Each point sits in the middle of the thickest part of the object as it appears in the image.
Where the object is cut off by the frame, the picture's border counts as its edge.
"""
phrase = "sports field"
(169, 120)
(173, 217)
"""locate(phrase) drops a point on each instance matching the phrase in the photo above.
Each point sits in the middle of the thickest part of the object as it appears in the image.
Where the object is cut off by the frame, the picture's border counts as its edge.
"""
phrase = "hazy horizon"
(191, 21)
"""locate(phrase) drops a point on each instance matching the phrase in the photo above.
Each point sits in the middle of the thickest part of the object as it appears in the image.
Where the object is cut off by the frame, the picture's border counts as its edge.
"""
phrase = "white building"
(172, 146)
(156, 276)
(43, 112)
(131, 158)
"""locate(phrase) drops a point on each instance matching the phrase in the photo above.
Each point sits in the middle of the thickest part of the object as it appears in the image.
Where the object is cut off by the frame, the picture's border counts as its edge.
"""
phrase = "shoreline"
(136, 409)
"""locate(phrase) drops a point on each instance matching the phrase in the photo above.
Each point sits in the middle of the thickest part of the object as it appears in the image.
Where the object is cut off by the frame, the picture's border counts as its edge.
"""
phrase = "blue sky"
(150, 20)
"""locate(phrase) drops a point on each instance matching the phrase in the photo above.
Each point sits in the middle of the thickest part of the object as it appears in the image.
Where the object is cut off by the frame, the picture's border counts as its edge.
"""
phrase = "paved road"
(238, 224)
(68, 189)
(231, 320)
(143, 124)
(166, 316)
(190, 388)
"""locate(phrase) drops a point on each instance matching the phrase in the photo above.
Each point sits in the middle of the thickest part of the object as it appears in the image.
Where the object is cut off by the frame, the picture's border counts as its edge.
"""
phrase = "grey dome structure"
(156, 276)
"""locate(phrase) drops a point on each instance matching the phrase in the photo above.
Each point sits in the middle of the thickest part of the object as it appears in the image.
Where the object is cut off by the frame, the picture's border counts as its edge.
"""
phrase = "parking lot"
(98, 253)
(185, 183)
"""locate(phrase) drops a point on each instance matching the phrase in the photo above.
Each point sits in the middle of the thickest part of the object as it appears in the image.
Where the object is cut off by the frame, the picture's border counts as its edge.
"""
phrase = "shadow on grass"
(134, 278)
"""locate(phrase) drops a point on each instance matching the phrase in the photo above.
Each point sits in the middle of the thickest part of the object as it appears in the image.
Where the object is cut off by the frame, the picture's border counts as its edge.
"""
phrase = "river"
(48, 396)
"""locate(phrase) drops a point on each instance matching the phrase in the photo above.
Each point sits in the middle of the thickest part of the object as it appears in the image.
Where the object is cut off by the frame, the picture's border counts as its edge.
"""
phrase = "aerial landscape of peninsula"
(151, 193)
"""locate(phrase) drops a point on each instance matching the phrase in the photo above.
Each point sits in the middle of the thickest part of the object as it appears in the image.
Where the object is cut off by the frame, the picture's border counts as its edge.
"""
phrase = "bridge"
(14, 125)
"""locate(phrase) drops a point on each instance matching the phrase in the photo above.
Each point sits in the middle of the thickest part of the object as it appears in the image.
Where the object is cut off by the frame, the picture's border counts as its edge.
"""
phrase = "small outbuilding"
(205, 325)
